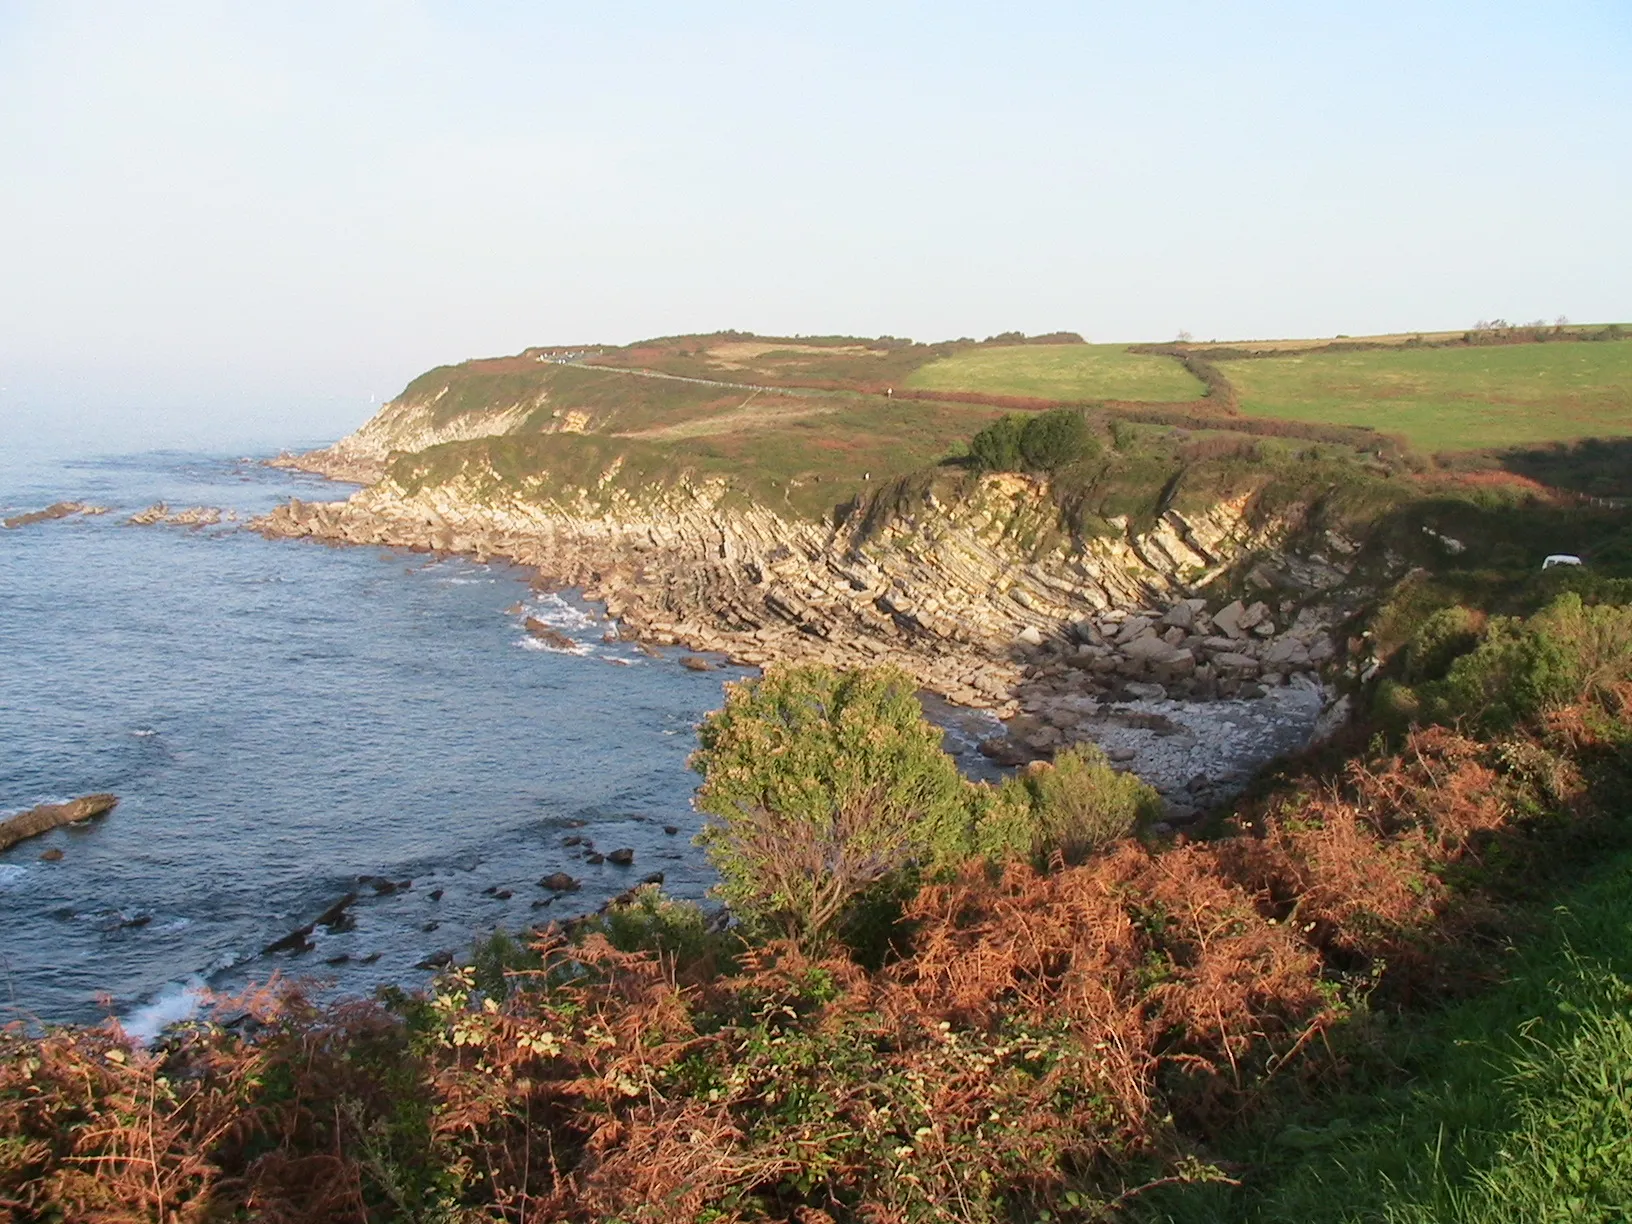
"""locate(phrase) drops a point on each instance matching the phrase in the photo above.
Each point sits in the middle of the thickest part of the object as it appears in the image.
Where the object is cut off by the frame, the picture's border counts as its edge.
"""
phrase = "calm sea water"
(280, 718)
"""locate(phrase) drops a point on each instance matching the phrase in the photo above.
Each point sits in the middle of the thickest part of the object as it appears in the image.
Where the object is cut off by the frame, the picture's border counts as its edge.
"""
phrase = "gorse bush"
(1569, 652)
(823, 786)
(833, 800)
(1042, 443)
(1069, 808)
(1445, 635)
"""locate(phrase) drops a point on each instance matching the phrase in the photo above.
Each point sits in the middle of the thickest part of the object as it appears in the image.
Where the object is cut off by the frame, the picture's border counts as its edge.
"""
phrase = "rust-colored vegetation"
(1045, 1039)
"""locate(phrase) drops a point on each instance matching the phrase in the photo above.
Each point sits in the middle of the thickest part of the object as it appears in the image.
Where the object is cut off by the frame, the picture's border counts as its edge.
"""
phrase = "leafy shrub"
(648, 921)
(1567, 653)
(824, 785)
(1055, 439)
(1042, 443)
(1440, 639)
(1069, 808)
(997, 447)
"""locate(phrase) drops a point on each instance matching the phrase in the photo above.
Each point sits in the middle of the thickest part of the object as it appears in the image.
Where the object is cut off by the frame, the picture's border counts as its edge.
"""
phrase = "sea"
(286, 723)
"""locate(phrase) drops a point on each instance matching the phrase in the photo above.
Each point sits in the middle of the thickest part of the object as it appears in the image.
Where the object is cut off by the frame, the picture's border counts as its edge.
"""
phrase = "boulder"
(1030, 636)
(1132, 628)
(1239, 663)
(695, 663)
(335, 918)
(1180, 616)
(1286, 651)
(1151, 649)
(621, 858)
(50, 816)
(1141, 691)
(297, 941)
(1227, 620)
(1005, 751)
(559, 881)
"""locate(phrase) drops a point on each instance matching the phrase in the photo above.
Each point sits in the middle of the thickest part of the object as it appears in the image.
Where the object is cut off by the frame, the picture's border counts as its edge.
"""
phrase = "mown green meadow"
(1450, 399)
(1060, 372)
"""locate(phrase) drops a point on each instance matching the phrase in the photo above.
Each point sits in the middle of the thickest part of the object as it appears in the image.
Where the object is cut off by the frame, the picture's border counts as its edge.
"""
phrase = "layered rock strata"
(983, 600)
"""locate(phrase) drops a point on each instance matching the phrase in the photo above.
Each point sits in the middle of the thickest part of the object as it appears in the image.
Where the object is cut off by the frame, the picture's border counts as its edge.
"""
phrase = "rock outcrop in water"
(57, 510)
(192, 516)
(50, 816)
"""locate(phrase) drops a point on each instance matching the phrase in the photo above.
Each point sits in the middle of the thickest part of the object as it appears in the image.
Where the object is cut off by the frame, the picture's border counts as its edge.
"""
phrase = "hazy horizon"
(225, 223)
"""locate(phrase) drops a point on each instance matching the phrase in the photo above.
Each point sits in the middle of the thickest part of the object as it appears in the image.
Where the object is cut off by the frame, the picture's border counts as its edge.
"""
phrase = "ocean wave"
(557, 612)
(10, 874)
(176, 1002)
(577, 648)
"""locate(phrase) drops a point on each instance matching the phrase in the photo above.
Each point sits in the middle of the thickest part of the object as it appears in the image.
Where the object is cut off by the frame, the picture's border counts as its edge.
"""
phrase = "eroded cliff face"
(408, 423)
(982, 599)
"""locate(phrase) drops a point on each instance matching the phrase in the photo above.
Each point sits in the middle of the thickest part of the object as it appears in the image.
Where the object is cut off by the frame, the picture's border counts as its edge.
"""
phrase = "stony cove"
(970, 586)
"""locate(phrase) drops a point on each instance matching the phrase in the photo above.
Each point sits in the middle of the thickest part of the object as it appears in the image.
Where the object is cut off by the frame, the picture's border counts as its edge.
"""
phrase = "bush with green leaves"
(824, 787)
(1043, 443)
(1439, 641)
(1056, 439)
(997, 447)
(1569, 652)
(648, 921)
(1069, 808)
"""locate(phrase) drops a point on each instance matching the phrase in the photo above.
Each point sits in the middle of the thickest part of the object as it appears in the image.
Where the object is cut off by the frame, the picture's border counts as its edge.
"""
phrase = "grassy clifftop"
(807, 425)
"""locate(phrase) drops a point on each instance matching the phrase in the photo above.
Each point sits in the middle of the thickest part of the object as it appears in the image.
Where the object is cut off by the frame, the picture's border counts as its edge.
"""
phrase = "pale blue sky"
(260, 217)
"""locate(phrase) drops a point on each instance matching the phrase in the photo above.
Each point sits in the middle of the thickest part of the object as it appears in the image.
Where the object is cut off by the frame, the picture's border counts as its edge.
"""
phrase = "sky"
(227, 220)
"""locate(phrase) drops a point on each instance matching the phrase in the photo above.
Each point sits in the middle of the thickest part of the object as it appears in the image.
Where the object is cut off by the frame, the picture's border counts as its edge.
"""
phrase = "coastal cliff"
(967, 588)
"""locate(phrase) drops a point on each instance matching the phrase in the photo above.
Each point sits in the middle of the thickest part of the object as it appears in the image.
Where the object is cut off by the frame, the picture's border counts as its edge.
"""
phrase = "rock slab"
(50, 816)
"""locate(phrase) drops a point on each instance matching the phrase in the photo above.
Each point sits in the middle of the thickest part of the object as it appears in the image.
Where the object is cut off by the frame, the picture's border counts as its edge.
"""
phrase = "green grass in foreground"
(1519, 1107)
(1449, 399)
(1060, 372)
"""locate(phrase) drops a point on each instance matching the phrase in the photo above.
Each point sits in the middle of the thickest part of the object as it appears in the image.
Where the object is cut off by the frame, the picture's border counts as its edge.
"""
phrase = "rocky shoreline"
(1111, 641)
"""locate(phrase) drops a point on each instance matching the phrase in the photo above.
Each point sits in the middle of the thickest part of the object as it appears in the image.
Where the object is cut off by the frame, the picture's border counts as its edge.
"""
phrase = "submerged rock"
(297, 941)
(548, 634)
(57, 510)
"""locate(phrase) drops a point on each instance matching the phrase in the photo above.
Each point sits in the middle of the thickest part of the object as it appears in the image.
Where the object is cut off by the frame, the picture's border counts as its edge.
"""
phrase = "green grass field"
(1060, 372)
(1514, 1106)
(1451, 399)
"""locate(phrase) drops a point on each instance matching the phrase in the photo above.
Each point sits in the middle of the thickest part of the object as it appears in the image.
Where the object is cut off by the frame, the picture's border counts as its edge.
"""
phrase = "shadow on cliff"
(1593, 467)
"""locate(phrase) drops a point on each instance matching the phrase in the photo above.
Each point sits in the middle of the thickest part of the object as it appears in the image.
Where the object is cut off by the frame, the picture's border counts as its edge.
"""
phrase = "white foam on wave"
(176, 1002)
(577, 648)
(11, 873)
(557, 612)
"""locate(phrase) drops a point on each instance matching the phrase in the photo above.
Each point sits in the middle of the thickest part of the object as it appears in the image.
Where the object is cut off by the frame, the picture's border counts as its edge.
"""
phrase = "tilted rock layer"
(982, 599)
